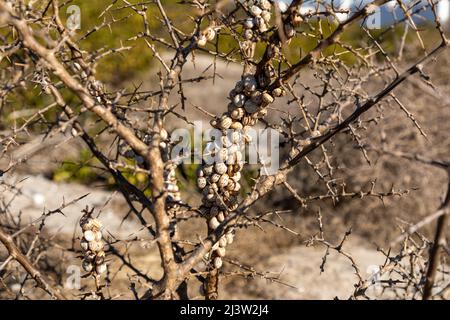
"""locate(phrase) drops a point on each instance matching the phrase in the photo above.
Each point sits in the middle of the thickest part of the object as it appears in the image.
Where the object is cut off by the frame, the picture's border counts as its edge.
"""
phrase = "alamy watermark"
(73, 18)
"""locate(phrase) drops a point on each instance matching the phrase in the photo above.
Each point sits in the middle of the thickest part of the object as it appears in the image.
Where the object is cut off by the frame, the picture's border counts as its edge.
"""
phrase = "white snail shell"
(265, 4)
(220, 251)
(217, 262)
(213, 223)
(304, 143)
(263, 27)
(267, 98)
(163, 134)
(210, 34)
(89, 257)
(202, 40)
(223, 241)
(171, 187)
(249, 23)
(223, 181)
(220, 168)
(201, 182)
(98, 236)
(235, 137)
(322, 128)
(223, 154)
(96, 246)
(237, 113)
(236, 126)
(256, 11)
(101, 268)
(213, 187)
(89, 235)
(231, 159)
(266, 16)
(220, 217)
(84, 245)
(208, 169)
(315, 133)
(225, 122)
(230, 238)
(277, 92)
(215, 177)
(246, 121)
(248, 34)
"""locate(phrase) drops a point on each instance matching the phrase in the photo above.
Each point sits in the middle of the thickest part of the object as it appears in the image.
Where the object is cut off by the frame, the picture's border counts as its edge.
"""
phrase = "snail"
(201, 41)
(92, 245)
(89, 235)
(101, 268)
(256, 11)
(217, 262)
(201, 182)
(237, 114)
(267, 98)
(215, 177)
(250, 83)
(248, 34)
(221, 251)
(223, 181)
(84, 244)
(248, 103)
(239, 100)
(277, 92)
(96, 246)
(220, 168)
(225, 122)
(214, 223)
(251, 107)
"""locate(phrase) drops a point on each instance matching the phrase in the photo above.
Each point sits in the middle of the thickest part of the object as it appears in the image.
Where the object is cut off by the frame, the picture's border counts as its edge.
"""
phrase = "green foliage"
(79, 170)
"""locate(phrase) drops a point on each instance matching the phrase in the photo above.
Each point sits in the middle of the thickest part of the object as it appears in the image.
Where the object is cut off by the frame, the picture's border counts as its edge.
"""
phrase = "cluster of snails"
(170, 178)
(219, 181)
(258, 23)
(220, 174)
(92, 246)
